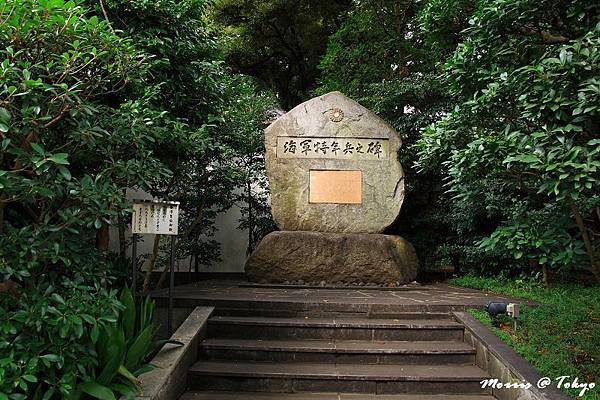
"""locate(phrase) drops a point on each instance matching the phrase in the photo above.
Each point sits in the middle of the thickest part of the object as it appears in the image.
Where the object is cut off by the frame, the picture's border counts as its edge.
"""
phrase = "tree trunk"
(151, 264)
(2, 206)
(122, 241)
(180, 240)
(250, 217)
(102, 238)
(589, 249)
(163, 276)
(546, 276)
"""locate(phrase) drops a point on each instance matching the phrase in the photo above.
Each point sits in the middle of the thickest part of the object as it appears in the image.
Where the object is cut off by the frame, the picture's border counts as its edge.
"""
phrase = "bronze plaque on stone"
(335, 187)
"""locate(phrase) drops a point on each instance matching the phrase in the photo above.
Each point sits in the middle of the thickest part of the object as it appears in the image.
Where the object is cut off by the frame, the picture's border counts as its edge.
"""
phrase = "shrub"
(63, 173)
(89, 343)
(522, 142)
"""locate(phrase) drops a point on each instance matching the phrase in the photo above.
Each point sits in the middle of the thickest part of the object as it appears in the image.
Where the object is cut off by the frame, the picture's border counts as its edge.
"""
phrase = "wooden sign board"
(155, 217)
(335, 187)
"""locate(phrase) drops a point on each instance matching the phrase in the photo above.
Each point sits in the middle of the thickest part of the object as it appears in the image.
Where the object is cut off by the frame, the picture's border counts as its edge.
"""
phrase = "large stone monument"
(336, 184)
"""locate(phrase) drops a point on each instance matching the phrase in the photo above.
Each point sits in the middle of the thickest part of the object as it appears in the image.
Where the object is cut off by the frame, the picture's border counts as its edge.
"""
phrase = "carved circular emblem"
(336, 115)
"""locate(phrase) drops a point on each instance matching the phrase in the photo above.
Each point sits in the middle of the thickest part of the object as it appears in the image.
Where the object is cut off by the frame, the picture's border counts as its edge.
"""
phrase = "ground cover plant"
(559, 337)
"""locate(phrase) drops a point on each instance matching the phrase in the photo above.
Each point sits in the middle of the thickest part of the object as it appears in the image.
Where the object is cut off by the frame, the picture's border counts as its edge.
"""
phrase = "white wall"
(234, 242)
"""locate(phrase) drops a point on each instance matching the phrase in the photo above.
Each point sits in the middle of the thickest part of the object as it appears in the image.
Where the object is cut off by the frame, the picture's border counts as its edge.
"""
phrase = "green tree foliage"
(63, 170)
(185, 93)
(248, 111)
(87, 112)
(185, 63)
(521, 148)
(441, 22)
(506, 176)
(379, 57)
(279, 41)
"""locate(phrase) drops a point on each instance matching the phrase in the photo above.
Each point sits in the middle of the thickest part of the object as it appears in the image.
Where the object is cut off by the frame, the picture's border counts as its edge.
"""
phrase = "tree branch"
(106, 16)
(589, 249)
(547, 37)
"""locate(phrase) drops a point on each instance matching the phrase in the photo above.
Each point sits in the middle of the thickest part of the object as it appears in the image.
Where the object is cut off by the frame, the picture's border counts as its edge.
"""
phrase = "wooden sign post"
(156, 217)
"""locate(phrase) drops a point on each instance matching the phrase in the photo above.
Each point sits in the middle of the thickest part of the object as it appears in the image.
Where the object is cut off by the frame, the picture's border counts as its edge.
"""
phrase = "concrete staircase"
(416, 356)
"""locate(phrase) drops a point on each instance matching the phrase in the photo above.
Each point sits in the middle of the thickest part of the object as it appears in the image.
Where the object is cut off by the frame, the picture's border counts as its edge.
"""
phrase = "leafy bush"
(61, 171)
(45, 336)
(522, 144)
(497, 104)
(91, 343)
(65, 164)
(123, 347)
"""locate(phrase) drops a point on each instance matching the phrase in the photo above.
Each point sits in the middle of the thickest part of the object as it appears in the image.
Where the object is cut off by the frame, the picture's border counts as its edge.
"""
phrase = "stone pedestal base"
(332, 257)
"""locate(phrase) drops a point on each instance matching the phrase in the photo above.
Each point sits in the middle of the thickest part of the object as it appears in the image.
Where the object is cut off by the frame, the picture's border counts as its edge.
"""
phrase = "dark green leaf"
(129, 314)
(30, 378)
(139, 348)
(65, 172)
(4, 115)
(37, 148)
(97, 390)
(58, 298)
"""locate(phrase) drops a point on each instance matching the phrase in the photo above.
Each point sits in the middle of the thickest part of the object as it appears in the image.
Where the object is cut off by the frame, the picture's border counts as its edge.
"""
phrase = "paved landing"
(434, 297)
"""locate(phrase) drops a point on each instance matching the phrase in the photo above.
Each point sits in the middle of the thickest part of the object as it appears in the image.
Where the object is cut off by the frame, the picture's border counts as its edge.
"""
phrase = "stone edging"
(169, 379)
(503, 363)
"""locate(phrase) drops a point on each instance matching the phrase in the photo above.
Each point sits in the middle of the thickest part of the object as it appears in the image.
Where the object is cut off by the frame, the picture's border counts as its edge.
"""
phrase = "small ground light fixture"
(495, 308)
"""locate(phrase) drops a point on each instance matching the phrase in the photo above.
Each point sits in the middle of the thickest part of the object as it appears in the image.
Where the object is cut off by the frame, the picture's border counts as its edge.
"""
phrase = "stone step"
(411, 315)
(348, 378)
(285, 313)
(212, 395)
(339, 351)
(334, 328)
(307, 303)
